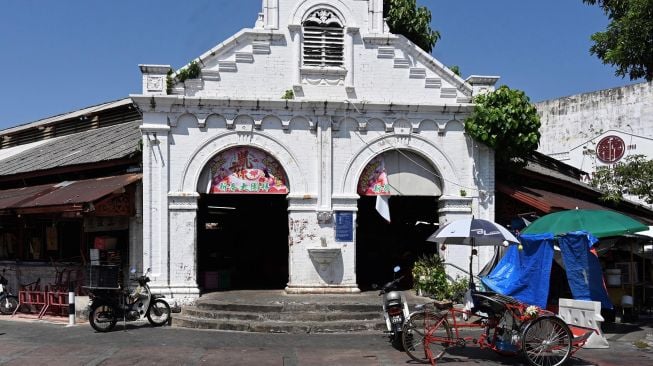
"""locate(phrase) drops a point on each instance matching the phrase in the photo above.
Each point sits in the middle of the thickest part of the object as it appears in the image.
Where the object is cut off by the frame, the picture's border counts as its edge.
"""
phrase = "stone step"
(285, 307)
(339, 326)
(296, 316)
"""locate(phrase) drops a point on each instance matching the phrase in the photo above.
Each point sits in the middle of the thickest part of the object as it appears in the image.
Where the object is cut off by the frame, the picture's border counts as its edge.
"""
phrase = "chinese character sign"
(374, 179)
(247, 170)
(610, 149)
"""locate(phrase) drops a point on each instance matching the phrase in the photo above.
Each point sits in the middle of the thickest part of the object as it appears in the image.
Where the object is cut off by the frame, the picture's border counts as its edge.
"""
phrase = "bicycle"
(507, 327)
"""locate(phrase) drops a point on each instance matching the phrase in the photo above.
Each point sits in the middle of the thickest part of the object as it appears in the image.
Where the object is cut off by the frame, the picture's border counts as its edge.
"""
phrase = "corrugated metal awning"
(545, 201)
(64, 196)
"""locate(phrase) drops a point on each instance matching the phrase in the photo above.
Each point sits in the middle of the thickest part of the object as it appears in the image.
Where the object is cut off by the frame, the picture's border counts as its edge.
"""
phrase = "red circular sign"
(610, 149)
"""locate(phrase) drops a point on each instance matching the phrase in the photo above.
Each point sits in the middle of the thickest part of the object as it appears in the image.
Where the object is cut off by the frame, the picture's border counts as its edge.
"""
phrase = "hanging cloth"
(583, 268)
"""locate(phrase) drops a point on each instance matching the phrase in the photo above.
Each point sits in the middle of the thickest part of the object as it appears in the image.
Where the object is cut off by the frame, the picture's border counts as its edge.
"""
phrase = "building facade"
(598, 128)
(266, 153)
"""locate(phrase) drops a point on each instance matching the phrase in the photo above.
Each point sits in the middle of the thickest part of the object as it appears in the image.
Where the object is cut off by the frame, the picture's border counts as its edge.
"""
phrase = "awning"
(66, 196)
(545, 201)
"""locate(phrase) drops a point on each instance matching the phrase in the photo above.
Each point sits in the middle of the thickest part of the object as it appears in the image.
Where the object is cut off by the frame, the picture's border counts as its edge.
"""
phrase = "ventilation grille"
(323, 45)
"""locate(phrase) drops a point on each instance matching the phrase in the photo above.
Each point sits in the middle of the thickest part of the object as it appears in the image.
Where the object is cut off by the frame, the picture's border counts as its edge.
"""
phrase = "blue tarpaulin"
(525, 274)
(583, 268)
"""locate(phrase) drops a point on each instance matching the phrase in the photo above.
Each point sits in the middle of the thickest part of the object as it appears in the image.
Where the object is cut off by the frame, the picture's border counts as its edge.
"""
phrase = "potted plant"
(430, 279)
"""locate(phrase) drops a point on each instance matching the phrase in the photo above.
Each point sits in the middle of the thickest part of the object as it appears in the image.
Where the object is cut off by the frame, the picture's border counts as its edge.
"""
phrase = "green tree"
(627, 43)
(406, 18)
(506, 121)
(632, 177)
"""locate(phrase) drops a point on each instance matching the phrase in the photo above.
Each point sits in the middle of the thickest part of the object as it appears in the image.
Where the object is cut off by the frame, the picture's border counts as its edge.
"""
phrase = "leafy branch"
(506, 121)
(632, 177)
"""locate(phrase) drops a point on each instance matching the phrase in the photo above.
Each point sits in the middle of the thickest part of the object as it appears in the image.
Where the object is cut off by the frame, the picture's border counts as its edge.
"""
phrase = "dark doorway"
(380, 246)
(242, 242)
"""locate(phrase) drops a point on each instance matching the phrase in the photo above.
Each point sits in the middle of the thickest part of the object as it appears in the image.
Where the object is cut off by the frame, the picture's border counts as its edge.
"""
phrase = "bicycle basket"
(103, 276)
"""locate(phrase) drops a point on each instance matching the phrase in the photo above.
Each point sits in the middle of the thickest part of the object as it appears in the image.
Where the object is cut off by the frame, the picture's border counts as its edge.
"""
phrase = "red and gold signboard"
(247, 170)
(610, 149)
(374, 179)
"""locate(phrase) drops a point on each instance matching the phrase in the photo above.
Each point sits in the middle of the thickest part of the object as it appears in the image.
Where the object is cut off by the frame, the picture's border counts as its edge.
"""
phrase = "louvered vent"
(323, 40)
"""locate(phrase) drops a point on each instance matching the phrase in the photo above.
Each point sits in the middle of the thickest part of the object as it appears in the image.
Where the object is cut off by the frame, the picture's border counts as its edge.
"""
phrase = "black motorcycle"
(110, 305)
(8, 301)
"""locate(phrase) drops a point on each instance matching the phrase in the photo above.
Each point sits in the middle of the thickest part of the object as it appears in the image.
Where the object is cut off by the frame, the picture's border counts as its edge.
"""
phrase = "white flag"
(382, 207)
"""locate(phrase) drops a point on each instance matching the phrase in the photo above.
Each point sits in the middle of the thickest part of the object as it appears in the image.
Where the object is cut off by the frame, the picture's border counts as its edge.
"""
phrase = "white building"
(598, 128)
(288, 178)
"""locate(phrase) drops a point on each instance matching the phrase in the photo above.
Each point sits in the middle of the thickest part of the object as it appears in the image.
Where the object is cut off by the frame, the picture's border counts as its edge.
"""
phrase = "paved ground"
(24, 342)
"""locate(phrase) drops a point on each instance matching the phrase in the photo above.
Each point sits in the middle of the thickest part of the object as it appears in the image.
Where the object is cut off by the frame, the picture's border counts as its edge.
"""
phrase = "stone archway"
(397, 211)
(185, 201)
(242, 222)
(191, 174)
(416, 144)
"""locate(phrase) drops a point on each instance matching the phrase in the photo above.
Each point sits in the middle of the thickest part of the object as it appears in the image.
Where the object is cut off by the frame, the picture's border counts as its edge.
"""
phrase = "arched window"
(323, 39)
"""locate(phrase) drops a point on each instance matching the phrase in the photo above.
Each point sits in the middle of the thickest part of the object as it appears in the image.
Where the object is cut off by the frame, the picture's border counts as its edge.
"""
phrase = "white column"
(349, 57)
(377, 16)
(183, 249)
(155, 197)
(325, 167)
(296, 39)
(271, 14)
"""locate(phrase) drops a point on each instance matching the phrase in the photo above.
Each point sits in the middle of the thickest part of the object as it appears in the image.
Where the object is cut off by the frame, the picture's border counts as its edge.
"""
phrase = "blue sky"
(59, 56)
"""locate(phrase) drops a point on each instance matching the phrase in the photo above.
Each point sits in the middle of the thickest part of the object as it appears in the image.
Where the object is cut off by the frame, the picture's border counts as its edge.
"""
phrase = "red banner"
(374, 179)
(247, 170)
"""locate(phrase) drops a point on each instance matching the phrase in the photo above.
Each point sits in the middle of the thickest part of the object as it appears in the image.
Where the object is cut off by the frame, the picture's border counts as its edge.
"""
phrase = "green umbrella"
(600, 223)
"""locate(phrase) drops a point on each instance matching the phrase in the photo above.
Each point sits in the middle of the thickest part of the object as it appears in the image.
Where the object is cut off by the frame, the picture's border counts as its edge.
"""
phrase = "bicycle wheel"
(8, 305)
(159, 313)
(546, 342)
(426, 335)
(102, 317)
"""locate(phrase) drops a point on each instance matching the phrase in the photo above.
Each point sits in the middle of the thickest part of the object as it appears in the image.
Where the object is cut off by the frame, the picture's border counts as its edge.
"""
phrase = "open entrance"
(411, 190)
(242, 240)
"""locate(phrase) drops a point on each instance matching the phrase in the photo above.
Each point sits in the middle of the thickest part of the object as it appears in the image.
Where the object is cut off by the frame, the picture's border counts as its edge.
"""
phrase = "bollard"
(71, 305)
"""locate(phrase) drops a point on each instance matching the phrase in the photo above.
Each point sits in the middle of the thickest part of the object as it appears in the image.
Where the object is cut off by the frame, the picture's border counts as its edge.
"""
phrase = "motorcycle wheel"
(102, 317)
(8, 305)
(159, 313)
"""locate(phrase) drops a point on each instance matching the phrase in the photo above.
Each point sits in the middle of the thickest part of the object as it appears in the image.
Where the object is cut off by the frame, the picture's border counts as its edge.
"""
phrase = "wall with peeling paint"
(388, 95)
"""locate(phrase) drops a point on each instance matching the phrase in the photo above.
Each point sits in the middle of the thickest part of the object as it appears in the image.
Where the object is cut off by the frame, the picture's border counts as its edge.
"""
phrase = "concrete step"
(269, 326)
(285, 307)
(275, 311)
(296, 316)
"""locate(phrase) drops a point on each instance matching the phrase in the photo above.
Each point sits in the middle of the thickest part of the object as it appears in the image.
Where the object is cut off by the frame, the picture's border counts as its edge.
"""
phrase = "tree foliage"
(406, 18)
(627, 43)
(506, 121)
(632, 177)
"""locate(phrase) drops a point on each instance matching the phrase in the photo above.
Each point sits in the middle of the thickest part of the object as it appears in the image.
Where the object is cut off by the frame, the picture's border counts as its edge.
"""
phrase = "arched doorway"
(242, 240)
(410, 186)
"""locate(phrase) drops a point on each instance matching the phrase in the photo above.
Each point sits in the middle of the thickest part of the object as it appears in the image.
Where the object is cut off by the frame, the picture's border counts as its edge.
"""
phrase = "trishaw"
(495, 321)
(503, 325)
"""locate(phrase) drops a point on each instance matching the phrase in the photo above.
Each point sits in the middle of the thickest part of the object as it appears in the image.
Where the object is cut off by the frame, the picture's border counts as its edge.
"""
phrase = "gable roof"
(395, 54)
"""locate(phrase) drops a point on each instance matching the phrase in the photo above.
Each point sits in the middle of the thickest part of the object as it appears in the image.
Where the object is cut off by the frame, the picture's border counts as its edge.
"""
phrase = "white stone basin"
(323, 256)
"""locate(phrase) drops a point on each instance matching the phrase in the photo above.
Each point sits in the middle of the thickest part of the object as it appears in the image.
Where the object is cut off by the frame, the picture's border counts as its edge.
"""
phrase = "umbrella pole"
(471, 259)
(632, 272)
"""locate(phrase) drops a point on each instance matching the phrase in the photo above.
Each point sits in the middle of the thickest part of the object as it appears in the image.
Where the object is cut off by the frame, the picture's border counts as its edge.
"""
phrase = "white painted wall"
(390, 95)
(572, 124)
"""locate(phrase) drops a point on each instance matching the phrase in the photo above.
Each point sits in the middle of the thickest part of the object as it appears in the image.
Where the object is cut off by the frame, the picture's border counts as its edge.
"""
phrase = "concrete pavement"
(31, 343)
